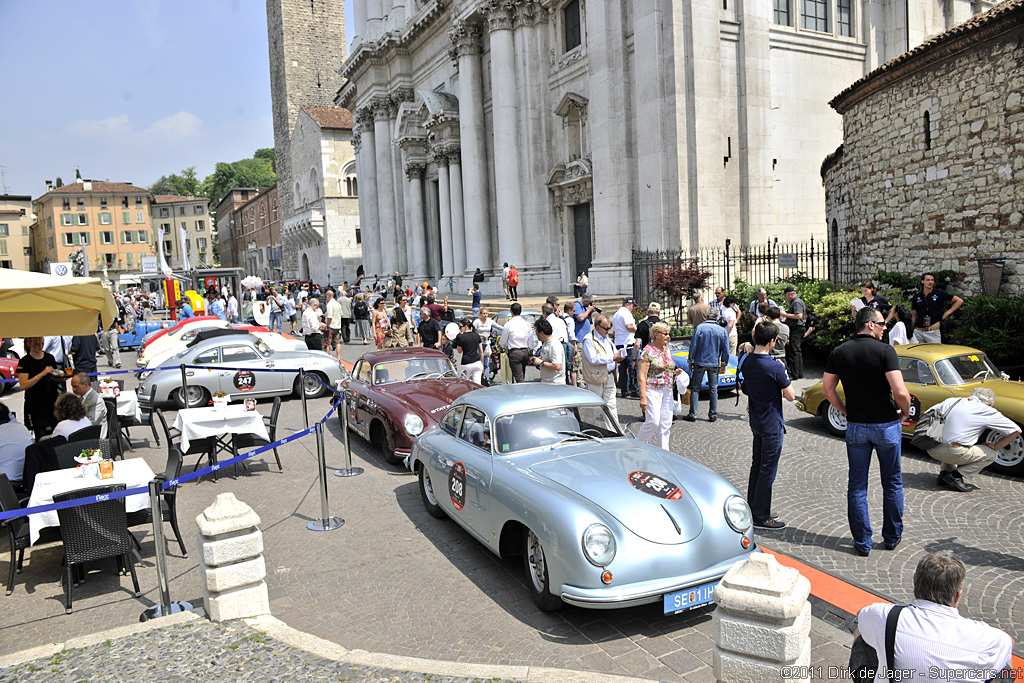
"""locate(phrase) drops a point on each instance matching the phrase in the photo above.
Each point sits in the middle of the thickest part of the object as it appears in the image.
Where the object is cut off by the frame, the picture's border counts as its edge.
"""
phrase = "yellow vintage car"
(933, 373)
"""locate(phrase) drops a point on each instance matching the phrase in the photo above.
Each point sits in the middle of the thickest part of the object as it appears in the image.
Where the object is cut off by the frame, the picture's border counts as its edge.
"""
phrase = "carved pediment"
(571, 101)
(571, 172)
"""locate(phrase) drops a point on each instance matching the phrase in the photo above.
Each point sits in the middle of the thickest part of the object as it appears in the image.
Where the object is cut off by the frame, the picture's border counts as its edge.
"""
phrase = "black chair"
(200, 447)
(17, 529)
(147, 419)
(94, 531)
(86, 433)
(243, 441)
(113, 434)
(67, 452)
(168, 506)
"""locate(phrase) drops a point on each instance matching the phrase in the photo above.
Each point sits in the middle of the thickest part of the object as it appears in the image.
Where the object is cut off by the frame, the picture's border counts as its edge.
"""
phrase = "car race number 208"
(244, 380)
(457, 485)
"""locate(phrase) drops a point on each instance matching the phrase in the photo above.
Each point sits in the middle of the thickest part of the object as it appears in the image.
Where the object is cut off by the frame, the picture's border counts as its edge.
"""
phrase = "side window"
(476, 429)
(450, 421)
(235, 354)
(364, 372)
(207, 357)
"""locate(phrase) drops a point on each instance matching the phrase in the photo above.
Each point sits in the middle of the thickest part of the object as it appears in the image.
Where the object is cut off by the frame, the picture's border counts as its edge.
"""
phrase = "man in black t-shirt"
(928, 309)
(429, 329)
(869, 371)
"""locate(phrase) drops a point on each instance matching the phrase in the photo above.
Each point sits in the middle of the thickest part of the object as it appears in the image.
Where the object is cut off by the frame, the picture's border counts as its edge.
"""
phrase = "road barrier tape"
(114, 495)
(90, 374)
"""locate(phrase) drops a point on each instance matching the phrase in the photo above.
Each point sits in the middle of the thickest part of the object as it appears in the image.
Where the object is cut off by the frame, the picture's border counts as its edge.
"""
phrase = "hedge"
(992, 324)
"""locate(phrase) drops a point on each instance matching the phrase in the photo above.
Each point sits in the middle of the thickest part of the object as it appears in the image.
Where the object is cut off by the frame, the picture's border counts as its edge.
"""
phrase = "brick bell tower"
(306, 41)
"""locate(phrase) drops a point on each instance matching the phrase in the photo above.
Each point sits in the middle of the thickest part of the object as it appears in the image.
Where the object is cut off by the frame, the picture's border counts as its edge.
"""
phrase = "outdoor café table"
(205, 423)
(133, 473)
(128, 405)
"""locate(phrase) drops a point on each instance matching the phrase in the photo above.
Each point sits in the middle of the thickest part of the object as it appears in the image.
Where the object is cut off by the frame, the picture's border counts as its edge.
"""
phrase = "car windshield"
(540, 428)
(970, 367)
(411, 368)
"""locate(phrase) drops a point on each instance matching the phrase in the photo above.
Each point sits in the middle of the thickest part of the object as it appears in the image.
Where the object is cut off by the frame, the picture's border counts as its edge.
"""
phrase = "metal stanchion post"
(348, 470)
(166, 606)
(326, 522)
(184, 386)
(302, 393)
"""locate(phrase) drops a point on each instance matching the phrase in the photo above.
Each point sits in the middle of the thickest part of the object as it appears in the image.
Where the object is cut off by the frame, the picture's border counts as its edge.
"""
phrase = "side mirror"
(629, 429)
(1004, 376)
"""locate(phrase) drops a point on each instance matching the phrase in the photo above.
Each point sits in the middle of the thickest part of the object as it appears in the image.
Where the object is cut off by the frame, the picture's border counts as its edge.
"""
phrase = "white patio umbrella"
(37, 304)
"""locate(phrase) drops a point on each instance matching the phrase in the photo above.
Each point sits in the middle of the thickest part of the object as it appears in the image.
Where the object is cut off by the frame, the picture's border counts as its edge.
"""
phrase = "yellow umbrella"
(37, 304)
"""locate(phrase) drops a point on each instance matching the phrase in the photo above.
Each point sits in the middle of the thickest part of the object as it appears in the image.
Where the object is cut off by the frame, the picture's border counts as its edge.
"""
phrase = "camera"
(597, 309)
(723, 322)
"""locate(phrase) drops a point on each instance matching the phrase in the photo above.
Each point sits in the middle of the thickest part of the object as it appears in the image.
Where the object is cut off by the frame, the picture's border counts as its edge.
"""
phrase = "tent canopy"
(37, 304)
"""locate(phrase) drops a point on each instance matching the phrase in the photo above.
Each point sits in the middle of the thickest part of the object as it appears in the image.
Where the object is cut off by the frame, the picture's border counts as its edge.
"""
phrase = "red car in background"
(8, 370)
(159, 333)
(394, 395)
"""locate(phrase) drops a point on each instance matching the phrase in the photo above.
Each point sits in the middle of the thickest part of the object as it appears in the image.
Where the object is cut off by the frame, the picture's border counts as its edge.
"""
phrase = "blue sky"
(130, 90)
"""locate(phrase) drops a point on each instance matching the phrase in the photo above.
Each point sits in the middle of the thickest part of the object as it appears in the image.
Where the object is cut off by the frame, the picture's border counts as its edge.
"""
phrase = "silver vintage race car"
(600, 519)
(244, 354)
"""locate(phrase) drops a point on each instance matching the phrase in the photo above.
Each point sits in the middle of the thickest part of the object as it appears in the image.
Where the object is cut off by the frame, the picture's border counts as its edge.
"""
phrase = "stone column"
(458, 212)
(385, 187)
(401, 262)
(445, 203)
(477, 202)
(231, 560)
(358, 21)
(369, 215)
(757, 182)
(417, 230)
(762, 625)
(374, 26)
(504, 104)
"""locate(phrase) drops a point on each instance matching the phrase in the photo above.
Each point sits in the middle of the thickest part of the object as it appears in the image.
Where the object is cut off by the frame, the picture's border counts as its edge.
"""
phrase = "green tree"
(255, 172)
(58, 182)
(183, 185)
(267, 154)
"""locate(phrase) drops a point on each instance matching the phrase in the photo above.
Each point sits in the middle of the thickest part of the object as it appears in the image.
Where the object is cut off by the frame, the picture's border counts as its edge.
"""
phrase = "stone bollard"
(231, 560)
(762, 625)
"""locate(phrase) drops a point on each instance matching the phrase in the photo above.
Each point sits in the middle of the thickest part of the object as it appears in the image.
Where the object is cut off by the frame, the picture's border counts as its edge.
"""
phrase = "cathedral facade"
(559, 135)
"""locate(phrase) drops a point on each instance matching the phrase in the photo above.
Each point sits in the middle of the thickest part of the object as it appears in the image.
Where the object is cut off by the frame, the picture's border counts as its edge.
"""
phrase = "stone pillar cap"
(760, 585)
(227, 514)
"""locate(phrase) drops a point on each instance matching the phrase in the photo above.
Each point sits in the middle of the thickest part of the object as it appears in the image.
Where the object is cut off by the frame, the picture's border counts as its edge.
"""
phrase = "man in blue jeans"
(709, 353)
(870, 373)
(765, 383)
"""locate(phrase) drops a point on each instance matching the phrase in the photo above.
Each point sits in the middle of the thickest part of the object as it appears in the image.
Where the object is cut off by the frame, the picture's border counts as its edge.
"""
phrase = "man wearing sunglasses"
(870, 373)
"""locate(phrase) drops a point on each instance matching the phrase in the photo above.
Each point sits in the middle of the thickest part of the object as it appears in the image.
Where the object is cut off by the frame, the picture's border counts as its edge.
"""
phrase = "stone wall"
(917, 205)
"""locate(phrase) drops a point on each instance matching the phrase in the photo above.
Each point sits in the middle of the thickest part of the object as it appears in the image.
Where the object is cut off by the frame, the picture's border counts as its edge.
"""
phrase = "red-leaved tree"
(679, 283)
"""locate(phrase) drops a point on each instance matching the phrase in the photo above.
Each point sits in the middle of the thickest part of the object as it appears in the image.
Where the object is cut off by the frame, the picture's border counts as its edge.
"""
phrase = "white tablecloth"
(203, 423)
(133, 473)
(128, 405)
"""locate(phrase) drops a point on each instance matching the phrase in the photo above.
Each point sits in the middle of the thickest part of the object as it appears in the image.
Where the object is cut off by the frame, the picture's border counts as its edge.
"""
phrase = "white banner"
(164, 268)
(184, 250)
(149, 264)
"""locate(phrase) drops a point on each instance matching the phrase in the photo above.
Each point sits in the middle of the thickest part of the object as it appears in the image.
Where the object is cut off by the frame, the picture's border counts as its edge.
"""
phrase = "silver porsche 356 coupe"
(600, 519)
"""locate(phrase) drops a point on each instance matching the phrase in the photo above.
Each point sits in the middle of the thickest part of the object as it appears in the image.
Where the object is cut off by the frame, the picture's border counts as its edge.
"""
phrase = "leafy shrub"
(991, 324)
(835, 325)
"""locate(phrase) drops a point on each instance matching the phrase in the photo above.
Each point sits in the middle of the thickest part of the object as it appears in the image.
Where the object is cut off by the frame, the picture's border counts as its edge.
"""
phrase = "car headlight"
(413, 425)
(599, 544)
(737, 513)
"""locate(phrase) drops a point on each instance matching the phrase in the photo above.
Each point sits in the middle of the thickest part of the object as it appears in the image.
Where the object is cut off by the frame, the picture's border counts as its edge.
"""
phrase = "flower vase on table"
(89, 463)
(220, 401)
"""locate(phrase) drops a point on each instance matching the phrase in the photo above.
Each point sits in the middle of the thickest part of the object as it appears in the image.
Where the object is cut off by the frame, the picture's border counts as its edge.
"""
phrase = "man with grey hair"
(599, 360)
(930, 633)
(967, 420)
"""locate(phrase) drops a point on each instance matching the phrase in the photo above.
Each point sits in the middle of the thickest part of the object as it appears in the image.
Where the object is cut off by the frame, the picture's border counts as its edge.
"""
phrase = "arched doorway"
(305, 267)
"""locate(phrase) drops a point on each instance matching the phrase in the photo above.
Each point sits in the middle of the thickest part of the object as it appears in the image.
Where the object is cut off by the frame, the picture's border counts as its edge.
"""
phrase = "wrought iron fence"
(755, 263)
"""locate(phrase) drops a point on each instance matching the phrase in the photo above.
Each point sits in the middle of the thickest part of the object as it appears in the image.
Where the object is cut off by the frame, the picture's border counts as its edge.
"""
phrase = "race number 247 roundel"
(244, 380)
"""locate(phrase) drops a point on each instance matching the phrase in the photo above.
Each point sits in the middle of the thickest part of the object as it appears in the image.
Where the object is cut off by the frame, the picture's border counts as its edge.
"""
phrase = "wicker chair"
(252, 441)
(66, 452)
(200, 447)
(17, 528)
(86, 433)
(168, 506)
(94, 531)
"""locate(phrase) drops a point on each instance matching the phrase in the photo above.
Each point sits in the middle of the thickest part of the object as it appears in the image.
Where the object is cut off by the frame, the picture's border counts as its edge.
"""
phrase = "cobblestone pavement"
(394, 580)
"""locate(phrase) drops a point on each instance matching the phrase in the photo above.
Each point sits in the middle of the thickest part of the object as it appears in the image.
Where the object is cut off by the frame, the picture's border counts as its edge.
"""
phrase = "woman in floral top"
(381, 323)
(657, 371)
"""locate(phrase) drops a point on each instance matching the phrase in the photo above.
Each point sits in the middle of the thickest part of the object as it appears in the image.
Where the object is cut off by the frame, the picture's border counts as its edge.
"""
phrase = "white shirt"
(310, 321)
(517, 334)
(66, 428)
(52, 346)
(898, 334)
(969, 419)
(623, 336)
(14, 439)
(570, 328)
(484, 330)
(558, 329)
(232, 307)
(552, 352)
(730, 315)
(504, 272)
(930, 636)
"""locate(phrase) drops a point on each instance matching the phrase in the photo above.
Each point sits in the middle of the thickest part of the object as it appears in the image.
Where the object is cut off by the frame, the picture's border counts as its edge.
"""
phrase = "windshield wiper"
(579, 435)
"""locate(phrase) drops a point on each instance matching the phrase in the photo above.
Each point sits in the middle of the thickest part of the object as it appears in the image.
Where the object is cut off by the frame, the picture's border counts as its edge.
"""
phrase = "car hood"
(643, 488)
(1012, 389)
(430, 397)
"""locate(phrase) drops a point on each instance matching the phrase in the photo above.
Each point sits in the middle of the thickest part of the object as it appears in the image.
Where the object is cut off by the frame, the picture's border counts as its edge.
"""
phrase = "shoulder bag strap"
(890, 636)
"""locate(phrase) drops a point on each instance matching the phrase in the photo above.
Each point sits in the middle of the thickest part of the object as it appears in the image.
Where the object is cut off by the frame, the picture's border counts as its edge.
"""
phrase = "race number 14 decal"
(915, 409)
(457, 485)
